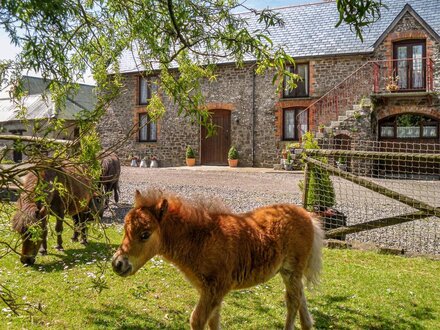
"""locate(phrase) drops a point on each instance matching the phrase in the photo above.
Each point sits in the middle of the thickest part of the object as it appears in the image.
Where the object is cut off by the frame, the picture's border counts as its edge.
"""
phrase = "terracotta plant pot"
(190, 161)
(233, 162)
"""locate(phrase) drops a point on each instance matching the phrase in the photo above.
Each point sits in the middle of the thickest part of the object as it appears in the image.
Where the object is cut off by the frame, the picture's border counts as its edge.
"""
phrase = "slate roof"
(310, 31)
(40, 106)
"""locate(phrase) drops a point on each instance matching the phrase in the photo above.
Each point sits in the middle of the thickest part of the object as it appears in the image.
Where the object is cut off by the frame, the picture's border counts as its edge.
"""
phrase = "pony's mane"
(198, 203)
(25, 204)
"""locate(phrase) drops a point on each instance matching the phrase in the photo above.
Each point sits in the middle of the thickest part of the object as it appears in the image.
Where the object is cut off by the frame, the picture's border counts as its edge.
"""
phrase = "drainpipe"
(253, 116)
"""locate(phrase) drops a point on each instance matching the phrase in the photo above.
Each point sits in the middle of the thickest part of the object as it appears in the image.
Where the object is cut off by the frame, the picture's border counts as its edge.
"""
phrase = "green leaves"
(359, 13)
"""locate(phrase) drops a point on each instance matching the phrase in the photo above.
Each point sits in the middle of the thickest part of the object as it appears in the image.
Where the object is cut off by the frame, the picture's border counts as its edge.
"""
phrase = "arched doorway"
(214, 150)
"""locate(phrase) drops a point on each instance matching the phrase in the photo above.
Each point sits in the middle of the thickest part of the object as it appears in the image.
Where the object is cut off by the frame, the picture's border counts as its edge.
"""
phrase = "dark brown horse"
(219, 251)
(111, 171)
(108, 182)
(60, 191)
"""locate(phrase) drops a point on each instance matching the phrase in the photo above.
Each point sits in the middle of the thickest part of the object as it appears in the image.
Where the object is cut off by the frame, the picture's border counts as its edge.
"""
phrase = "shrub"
(233, 153)
(190, 152)
(321, 191)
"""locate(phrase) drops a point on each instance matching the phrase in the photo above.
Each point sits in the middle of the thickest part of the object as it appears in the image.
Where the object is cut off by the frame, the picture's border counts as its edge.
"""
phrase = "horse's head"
(27, 222)
(142, 238)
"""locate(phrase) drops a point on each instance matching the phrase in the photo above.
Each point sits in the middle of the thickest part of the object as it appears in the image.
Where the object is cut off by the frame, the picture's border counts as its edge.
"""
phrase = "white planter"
(134, 163)
(144, 163)
(154, 164)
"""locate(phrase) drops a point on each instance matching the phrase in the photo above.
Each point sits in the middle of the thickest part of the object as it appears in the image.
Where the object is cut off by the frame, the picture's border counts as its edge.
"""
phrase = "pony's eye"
(145, 235)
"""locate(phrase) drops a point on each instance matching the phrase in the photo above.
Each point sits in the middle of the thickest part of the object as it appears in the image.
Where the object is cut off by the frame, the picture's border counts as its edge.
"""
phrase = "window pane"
(289, 124)
(408, 132)
(417, 74)
(143, 90)
(402, 66)
(143, 129)
(153, 86)
(430, 131)
(387, 131)
(303, 88)
(303, 120)
(287, 92)
(153, 132)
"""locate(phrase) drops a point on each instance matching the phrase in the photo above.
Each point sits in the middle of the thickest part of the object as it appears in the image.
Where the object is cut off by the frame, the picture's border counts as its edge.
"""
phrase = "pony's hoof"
(59, 248)
(43, 252)
(74, 239)
(84, 242)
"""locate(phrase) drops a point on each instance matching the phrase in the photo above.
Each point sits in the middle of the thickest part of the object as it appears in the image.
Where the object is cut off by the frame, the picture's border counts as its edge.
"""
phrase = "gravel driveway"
(240, 189)
(243, 189)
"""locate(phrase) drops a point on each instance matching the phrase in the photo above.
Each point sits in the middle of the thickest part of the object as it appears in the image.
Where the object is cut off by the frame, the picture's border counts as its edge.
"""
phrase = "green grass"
(359, 290)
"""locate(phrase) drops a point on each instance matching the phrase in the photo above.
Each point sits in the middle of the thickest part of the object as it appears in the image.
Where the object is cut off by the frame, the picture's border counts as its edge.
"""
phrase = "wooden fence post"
(306, 184)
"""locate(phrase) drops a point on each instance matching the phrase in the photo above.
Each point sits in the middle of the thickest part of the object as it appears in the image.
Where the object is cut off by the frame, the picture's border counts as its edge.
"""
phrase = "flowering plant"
(392, 83)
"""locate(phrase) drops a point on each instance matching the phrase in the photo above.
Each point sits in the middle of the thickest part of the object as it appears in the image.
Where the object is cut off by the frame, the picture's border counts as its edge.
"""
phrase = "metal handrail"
(376, 66)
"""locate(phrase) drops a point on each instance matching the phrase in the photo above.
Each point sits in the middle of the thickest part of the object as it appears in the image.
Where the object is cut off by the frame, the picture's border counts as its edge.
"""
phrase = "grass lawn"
(359, 290)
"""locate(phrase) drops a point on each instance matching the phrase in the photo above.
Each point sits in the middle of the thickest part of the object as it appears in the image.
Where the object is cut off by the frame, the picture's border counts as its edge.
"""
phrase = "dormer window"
(302, 88)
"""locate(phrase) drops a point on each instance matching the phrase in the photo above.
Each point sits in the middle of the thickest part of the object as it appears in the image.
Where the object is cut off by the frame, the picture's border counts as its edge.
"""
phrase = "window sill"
(296, 98)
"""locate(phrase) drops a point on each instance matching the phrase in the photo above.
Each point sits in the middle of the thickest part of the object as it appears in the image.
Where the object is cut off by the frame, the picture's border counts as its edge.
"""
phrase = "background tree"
(183, 40)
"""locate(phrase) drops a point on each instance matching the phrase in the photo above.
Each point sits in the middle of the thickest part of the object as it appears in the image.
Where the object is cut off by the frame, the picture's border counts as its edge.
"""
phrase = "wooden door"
(214, 150)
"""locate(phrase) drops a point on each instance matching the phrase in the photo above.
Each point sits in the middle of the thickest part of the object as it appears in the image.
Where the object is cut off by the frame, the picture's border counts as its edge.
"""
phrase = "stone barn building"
(385, 88)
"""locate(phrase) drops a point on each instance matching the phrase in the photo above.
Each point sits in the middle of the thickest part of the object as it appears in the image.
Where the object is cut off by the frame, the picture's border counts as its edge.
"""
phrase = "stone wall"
(232, 90)
(174, 132)
(330, 71)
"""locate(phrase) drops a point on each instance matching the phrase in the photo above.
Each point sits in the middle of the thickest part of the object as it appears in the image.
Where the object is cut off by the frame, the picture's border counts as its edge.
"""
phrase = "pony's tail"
(314, 264)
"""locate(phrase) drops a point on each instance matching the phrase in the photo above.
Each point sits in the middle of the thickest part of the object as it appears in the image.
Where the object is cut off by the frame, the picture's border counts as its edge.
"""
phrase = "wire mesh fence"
(386, 193)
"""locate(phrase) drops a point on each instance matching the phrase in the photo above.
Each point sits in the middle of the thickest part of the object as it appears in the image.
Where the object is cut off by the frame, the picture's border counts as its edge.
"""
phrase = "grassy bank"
(76, 289)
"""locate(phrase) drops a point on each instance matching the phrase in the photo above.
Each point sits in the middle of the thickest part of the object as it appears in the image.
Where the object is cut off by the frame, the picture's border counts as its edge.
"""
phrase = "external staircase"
(351, 96)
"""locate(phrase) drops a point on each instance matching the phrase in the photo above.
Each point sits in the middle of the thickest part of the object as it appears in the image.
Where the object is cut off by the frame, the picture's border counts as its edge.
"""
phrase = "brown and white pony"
(219, 251)
(63, 190)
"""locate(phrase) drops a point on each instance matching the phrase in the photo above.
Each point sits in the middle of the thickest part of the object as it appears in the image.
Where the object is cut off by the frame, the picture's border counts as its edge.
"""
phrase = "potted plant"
(190, 157)
(144, 162)
(154, 163)
(392, 84)
(134, 161)
(233, 157)
(288, 165)
(321, 128)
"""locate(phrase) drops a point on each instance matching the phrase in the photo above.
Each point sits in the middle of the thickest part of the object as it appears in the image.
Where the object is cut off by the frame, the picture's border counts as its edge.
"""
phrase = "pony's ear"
(162, 209)
(138, 199)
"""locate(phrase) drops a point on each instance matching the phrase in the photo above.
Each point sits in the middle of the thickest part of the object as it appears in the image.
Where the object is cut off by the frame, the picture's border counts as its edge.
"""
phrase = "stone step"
(366, 102)
(342, 118)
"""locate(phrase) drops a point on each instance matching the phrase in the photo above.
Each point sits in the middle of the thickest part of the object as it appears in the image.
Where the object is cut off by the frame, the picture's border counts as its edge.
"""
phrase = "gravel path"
(245, 189)
(239, 190)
